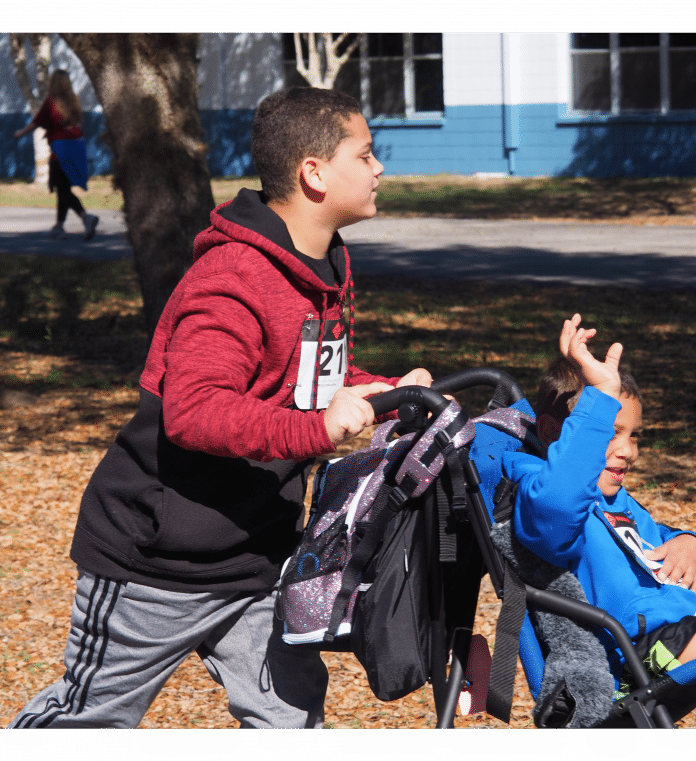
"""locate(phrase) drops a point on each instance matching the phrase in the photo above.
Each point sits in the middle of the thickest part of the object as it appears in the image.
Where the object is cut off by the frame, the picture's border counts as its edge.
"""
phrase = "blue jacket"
(562, 516)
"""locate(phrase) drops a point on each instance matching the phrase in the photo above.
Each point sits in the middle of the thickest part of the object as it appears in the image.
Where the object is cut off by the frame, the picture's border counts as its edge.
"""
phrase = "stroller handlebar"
(507, 390)
(407, 396)
(409, 399)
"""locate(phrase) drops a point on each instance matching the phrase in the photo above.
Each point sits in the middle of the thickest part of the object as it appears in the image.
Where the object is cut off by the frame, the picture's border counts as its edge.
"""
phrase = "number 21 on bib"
(331, 365)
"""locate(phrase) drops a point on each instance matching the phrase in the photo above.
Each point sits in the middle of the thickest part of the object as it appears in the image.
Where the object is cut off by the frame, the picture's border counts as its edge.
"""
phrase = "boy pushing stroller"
(186, 521)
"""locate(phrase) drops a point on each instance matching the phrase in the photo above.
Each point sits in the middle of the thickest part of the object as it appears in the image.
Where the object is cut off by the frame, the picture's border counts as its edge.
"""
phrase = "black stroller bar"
(589, 615)
(507, 392)
(409, 401)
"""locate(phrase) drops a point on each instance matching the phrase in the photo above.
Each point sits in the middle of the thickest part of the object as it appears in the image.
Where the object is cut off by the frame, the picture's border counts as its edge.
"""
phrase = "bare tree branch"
(41, 45)
(334, 62)
(299, 58)
(324, 63)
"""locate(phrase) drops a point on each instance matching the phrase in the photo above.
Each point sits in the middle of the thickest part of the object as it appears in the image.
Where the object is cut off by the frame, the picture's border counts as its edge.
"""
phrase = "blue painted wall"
(16, 157)
(228, 134)
(468, 140)
(633, 149)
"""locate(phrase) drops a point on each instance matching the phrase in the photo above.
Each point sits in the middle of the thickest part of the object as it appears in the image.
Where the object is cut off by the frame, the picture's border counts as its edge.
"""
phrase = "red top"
(226, 352)
(54, 124)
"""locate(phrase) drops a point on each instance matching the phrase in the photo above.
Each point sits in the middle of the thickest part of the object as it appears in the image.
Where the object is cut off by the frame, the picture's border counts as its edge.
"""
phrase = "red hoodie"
(226, 352)
(204, 487)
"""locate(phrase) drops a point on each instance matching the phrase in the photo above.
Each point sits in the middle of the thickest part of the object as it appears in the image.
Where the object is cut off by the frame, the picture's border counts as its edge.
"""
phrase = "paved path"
(543, 252)
(449, 249)
(26, 231)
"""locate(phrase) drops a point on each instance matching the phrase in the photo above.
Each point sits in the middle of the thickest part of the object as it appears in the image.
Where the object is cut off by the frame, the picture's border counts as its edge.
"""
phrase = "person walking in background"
(61, 116)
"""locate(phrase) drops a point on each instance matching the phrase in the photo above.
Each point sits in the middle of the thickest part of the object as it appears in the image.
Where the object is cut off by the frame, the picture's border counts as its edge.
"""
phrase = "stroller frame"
(452, 616)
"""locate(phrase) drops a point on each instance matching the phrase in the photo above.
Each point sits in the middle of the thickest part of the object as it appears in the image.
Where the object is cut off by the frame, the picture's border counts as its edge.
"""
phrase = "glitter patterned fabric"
(343, 494)
(343, 497)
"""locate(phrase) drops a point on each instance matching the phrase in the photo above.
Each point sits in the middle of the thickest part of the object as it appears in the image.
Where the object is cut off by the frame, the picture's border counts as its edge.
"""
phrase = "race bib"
(331, 365)
(626, 530)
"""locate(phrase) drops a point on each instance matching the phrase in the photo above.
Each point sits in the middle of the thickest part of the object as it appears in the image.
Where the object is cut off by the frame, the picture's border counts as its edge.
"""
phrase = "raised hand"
(602, 375)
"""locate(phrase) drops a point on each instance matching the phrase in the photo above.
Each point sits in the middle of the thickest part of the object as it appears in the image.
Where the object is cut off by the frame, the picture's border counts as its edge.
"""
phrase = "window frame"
(664, 108)
(408, 60)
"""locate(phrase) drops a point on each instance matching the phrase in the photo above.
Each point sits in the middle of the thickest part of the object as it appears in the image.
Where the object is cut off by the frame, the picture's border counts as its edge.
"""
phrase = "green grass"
(526, 198)
(454, 196)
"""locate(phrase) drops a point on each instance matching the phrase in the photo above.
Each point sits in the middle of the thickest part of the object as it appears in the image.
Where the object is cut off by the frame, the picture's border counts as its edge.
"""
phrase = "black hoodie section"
(249, 210)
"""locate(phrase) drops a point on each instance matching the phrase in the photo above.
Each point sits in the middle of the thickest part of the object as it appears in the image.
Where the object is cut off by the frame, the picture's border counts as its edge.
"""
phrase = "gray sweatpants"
(126, 640)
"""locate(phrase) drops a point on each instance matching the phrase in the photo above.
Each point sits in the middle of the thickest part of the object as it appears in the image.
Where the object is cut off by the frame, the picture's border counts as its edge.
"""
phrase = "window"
(391, 74)
(643, 72)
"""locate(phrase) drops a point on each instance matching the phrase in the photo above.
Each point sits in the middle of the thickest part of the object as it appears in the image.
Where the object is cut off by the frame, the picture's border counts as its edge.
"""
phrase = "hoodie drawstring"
(320, 341)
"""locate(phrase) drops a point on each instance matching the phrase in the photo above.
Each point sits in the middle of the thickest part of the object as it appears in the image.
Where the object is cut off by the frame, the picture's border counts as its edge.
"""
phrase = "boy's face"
(622, 451)
(351, 176)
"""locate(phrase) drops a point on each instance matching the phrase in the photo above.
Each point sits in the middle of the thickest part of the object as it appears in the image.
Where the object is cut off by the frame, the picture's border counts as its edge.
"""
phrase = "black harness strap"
(507, 644)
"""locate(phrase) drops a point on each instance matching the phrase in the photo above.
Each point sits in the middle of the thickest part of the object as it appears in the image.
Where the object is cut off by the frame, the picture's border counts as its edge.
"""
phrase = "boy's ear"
(312, 179)
(548, 428)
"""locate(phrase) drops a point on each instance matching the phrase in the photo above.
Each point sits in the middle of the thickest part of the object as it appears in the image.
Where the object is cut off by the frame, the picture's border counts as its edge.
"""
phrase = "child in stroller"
(572, 510)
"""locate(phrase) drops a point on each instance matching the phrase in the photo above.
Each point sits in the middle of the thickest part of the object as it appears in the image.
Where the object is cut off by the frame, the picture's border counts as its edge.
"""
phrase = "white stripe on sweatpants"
(127, 639)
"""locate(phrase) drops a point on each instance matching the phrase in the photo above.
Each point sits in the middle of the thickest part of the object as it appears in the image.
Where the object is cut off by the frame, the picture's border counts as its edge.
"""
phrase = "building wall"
(506, 112)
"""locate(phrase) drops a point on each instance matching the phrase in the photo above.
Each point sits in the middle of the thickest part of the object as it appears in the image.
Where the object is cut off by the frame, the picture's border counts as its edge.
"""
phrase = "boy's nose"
(627, 450)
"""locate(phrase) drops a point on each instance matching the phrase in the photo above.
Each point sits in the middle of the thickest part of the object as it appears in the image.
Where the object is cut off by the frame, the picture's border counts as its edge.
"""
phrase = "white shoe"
(91, 223)
(57, 232)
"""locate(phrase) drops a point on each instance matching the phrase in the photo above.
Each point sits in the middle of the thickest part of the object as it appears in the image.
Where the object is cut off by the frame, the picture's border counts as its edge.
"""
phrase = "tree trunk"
(41, 46)
(147, 85)
(42, 153)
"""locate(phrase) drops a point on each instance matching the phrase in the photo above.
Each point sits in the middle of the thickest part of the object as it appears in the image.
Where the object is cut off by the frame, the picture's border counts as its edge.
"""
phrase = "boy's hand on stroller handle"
(418, 377)
(349, 413)
(604, 376)
(436, 398)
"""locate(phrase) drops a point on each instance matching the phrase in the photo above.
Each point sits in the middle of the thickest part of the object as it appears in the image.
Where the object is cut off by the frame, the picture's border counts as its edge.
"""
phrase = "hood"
(246, 219)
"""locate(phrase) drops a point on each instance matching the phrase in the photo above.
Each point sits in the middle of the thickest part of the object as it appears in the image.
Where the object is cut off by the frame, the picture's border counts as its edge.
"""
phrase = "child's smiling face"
(622, 451)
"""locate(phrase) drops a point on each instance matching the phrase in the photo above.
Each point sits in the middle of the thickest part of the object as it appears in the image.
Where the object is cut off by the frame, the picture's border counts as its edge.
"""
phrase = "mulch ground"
(49, 450)
(52, 439)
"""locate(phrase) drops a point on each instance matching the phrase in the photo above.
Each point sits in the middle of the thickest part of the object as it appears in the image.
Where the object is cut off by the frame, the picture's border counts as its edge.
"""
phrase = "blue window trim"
(579, 119)
(417, 120)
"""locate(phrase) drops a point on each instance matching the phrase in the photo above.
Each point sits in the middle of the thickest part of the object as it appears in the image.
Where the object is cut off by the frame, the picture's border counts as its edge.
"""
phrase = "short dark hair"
(292, 124)
(561, 386)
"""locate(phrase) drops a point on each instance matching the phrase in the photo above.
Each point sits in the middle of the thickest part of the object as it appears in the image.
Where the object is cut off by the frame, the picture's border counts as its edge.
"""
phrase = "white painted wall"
(536, 68)
(11, 98)
(472, 69)
(544, 68)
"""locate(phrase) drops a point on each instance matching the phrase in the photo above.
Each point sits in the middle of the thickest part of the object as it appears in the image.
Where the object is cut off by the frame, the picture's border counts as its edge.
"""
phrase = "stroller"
(537, 598)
